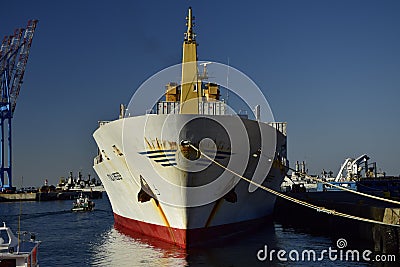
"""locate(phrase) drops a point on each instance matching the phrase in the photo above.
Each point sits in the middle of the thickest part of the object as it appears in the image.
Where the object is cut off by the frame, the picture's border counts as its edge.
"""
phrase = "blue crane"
(14, 53)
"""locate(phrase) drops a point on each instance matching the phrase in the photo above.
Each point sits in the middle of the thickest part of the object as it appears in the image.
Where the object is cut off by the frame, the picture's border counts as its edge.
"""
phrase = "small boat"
(83, 203)
(16, 252)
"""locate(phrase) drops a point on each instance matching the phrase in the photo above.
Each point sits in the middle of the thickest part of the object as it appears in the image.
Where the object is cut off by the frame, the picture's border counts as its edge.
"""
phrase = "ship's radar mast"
(204, 75)
(189, 34)
(190, 85)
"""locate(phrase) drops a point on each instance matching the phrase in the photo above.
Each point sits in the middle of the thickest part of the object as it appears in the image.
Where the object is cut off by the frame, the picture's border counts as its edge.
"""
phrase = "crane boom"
(5, 45)
(14, 45)
(21, 65)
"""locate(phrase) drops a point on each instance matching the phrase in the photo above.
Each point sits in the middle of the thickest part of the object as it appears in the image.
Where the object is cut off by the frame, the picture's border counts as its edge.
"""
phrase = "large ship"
(174, 172)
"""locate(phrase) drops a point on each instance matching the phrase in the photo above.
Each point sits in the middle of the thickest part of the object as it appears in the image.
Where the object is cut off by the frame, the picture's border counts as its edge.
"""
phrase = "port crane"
(353, 167)
(14, 53)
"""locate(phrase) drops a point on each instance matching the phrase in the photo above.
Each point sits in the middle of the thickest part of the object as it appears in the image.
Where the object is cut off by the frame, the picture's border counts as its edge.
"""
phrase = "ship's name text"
(115, 176)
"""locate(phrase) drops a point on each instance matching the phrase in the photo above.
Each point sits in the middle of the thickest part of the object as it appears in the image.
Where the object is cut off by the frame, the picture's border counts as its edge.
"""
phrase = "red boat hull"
(186, 238)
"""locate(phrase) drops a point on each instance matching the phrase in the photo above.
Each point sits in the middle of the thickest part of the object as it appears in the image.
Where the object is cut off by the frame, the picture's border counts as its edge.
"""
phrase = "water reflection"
(116, 249)
(89, 239)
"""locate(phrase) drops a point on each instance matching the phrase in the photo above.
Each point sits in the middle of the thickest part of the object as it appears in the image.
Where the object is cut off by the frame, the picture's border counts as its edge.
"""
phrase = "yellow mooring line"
(300, 202)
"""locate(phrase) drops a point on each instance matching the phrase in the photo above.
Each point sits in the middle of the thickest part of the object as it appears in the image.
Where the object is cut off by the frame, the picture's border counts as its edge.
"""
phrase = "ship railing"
(280, 126)
(205, 107)
(101, 123)
(211, 108)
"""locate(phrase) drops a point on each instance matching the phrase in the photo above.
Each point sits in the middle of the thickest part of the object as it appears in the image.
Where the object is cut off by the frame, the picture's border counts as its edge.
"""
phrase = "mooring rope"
(292, 199)
(348, 190)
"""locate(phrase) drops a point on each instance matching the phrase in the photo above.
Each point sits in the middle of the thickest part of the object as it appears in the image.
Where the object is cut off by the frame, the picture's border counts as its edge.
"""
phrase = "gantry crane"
(14, 53)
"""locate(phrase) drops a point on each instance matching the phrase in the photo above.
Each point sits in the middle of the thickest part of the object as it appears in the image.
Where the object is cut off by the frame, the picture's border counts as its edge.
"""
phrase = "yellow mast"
(190, 86)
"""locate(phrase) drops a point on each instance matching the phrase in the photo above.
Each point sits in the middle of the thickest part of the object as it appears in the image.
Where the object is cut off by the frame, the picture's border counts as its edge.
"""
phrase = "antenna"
(227, 83)
(189, 34)
(204, 76)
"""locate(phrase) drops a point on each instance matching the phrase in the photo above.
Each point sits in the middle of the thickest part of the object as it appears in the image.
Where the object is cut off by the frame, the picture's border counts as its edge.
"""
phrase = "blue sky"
(328, 68)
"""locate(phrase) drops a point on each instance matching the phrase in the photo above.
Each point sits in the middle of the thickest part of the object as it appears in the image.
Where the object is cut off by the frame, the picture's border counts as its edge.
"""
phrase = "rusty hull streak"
(164, 218)
(216, 207)
(148, 143)
(158, 144)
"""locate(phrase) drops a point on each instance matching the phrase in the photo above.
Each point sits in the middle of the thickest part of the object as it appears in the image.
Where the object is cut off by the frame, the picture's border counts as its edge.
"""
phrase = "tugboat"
(15, 252)
(83, 203)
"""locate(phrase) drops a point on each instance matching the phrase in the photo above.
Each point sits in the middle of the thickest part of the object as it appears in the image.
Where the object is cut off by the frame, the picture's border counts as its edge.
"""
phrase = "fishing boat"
(83, 203)
(174, 172)
(18, 252)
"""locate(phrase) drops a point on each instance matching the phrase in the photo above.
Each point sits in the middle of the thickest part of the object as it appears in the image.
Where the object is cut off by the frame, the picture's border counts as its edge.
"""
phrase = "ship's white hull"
(155, 190)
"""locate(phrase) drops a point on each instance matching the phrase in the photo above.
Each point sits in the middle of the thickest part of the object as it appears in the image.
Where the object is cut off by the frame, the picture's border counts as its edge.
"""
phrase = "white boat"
(161, 186)
(16, 252)
(83, 203)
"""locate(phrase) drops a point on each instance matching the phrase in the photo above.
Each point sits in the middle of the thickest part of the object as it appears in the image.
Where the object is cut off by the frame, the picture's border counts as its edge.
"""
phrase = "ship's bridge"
(205, 108)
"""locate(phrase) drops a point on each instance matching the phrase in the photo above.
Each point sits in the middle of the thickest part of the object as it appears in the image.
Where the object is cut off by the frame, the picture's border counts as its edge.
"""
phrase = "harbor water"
(89, 239)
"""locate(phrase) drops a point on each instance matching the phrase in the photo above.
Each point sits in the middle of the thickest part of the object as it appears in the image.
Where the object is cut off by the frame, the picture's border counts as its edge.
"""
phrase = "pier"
(48, 196)
(383, 238)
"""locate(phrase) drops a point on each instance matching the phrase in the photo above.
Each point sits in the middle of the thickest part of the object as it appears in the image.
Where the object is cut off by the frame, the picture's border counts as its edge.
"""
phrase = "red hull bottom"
(185, 238)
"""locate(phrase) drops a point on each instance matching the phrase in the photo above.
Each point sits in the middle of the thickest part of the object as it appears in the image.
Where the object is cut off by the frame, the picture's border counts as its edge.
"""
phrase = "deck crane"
(14, 53)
